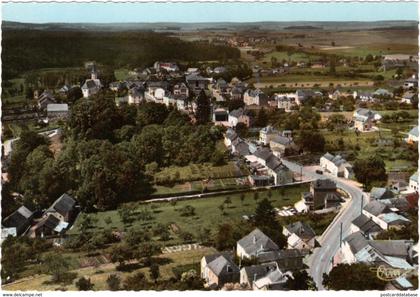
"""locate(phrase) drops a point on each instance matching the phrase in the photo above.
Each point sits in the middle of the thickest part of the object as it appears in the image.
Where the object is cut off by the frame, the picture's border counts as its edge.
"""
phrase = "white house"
(413, 135)
(383, 216)
(255, 97)
(299, 236)
(253, 244)
(267, 133)
(238, 116)
(414, 182)
(336, 165)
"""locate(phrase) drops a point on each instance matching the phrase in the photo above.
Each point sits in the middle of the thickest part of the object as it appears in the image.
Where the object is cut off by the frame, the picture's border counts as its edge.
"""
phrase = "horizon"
(215, 12)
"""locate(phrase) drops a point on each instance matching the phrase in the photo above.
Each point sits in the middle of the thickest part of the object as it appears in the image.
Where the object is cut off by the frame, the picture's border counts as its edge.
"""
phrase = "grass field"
(121, 74)
(180, 261)
(207, 212)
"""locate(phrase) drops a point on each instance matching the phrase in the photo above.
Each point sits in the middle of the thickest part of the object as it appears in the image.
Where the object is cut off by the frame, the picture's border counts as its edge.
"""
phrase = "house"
(168, 66)
(236, 93)
(336, 165)
(365, 225)
(136, 95)
(288, 259)
(49, 225)
(219, 269)
(253, 244)
(267, 133)
(409, 98)
(383, 216)
(64, 208)
(220, 116)
(180, 90)
(262, 155)
(44, 99)
(255, 97)
(92, 85)
(219, 70)
(383, 93)
(413, 135)
(279, 144)
(273, 280)
(380, 193)
(413, 184)
(197, 82)
(280, 173)
(304, 95)
(299, 236)
(286, 102)
(57, 111)
(411, 82)
(399, 186)
(18, 222)
(240, 147)
(362, 124)
(239, 116)
(229, 137)
(249, 274)
(323, 194)
(355, 248)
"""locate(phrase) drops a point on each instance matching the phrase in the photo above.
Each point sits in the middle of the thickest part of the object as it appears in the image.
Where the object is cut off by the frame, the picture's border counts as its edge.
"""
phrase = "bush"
(84, 284)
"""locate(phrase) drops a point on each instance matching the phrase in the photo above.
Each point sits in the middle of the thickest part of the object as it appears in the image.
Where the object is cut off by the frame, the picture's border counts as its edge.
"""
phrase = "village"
(269, 170)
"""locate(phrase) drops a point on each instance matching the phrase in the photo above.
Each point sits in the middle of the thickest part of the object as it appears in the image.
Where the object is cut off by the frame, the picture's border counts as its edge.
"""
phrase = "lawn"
(200, 171)
(207, 212)
(121, 74)
(176, 262)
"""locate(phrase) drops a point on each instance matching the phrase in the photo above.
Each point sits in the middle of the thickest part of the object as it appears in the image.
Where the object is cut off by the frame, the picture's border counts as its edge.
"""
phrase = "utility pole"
(341, 233)
(361, 204)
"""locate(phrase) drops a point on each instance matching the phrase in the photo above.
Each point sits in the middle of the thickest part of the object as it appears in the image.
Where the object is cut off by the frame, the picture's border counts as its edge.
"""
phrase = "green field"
(207, 212)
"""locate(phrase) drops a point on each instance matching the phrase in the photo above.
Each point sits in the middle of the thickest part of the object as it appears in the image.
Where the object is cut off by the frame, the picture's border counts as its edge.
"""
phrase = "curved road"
(320, 261)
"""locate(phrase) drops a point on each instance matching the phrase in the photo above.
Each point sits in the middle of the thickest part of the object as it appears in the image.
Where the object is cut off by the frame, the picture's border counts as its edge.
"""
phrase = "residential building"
(64, 208)
(220, 116)
(267, 133)
(336, 165)
(197, 82)
(414, 182)
(253, 244)
(279, 144)
(255, 97)
(239, 116)
(381, 193)
(219, 269)
(383, 216)
(57, 111)
(273, 280)
(18, 222)
(44, 99)
(136, 95)
(287, 259)
(365, 225)
(229, 137)
(249, 274)
(323, 194)
(413, 135)
(299, 236)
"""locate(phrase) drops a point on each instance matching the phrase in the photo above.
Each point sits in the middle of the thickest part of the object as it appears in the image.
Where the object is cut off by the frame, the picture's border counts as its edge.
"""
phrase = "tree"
(202, 114)
(154, 272)
(187, 211)
(56, 265)
(265, 218)
(301, 281)
(228, 201)
(152, 113)
(84, 284)
(121, 253)
(222, 208)
(370, 170)
(113, 281)
(242, 130)
(136, 282)
(311, 141)
(362, 278)
(262, 118)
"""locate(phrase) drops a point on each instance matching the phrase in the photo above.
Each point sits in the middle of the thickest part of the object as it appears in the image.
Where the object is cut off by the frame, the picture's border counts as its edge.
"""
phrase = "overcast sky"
(207, 12)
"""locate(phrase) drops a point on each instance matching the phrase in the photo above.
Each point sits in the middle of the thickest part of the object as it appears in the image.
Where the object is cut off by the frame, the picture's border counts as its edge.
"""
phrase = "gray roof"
(414, 131)
(279, 255)
(281, 139)
(212, 257)
(273, 162)
(223, 266)
(356, 241)
(263, 153)
(376, 208)
(89, 84)
(381, 193)
(257, 241)
(231, 134)
(63, 204)
(255, 272)
(324, 184)
(242, 148)
(396, 248)
(328, 156)
(237, 112)
(301, 229)
(365, 224)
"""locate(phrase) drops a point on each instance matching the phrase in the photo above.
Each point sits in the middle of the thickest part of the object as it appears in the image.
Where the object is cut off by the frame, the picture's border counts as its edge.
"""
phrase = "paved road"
(321, 259)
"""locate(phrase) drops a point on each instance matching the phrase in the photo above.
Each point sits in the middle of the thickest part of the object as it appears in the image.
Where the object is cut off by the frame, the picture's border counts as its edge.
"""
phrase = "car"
(319, 171)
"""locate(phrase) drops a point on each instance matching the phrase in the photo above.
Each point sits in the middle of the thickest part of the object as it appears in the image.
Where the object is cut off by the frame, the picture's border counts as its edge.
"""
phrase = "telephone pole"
(361, 204)
(341, 233)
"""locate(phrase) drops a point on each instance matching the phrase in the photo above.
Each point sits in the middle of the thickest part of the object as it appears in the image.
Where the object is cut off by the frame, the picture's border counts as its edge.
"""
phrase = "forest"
(24, 50)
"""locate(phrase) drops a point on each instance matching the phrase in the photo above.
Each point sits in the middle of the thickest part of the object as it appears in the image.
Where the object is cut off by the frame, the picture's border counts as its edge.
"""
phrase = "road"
(320, 261)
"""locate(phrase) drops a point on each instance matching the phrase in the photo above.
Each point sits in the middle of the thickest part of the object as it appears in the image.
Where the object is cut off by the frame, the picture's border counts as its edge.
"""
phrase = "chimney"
(254, 239)
(255, 277)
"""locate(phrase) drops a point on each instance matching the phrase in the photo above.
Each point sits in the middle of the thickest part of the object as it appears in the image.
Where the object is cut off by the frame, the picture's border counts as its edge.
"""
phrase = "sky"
(206, 12)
